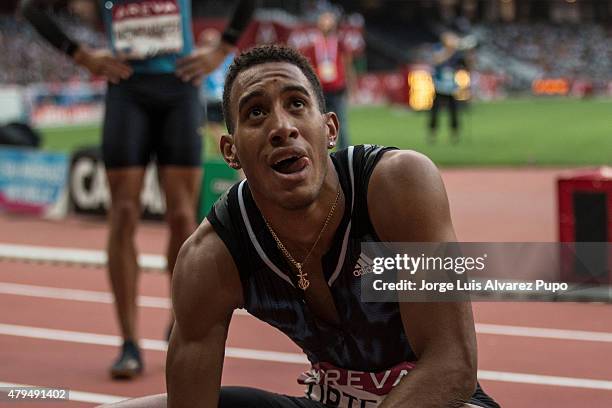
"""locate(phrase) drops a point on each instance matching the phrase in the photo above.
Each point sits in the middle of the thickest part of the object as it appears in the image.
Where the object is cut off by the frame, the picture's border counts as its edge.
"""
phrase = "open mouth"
(292, 164)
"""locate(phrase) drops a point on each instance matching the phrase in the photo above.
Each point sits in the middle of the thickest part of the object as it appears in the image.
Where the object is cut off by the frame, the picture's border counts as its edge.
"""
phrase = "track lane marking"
(146, 344)
(282, 357)
(72, 256)
(164, 303)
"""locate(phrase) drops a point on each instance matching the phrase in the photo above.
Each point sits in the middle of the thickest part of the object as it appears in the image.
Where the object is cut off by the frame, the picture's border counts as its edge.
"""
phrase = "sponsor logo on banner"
(55, 115)
(147, 28)
(33, 182)
(89, 191)
(63, 104)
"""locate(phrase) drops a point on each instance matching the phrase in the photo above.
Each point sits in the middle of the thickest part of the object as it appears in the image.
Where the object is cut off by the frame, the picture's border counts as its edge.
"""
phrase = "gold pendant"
(303, 283)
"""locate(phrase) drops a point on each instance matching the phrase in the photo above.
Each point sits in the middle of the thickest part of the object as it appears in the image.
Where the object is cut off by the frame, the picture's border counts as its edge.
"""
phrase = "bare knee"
(124, 216)
(181, 221)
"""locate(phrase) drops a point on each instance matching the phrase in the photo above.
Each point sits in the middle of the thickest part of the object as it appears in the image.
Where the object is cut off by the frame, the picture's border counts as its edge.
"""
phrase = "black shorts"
(152, 116)
(244, 397)
(214, 111)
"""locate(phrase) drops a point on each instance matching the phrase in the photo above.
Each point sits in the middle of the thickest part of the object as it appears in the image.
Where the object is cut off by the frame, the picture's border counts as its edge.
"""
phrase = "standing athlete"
(284, 245)
(152, 111)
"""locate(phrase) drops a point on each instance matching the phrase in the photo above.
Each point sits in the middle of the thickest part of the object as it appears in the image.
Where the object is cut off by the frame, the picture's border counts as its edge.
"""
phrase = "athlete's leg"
(178, 150)
(181, 186)
(433, 118)
(245, 397)
(126, 151)
(229, 397)
(125, 185)
(234, 397)
(453, 107)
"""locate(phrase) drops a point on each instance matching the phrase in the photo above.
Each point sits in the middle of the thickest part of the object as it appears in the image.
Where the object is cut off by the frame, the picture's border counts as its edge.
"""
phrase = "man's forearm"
(193, 376)
(433, 385)
(33, 11)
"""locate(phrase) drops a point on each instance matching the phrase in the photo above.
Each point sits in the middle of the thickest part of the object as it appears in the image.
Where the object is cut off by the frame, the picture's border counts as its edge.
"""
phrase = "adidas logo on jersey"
(364, 265)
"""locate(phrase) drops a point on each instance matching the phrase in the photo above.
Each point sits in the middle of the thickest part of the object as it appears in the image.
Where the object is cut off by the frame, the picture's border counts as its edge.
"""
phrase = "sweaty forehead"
(268, 73)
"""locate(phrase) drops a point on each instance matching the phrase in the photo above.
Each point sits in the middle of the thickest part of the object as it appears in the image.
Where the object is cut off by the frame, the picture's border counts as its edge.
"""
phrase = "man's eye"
(297, 103)
(255, 113)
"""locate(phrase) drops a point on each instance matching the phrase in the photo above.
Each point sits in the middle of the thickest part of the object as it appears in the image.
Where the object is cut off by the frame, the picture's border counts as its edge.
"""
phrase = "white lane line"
(537, 379)
(282, 357)
(164, 303)
(47, 292)
(544, 333)
(78, 396)
(72, 256)
(146, 344)
(77, 294)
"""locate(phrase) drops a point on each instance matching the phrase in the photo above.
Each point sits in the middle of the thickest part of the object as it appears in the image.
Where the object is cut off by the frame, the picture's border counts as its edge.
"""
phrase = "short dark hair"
(261, 55)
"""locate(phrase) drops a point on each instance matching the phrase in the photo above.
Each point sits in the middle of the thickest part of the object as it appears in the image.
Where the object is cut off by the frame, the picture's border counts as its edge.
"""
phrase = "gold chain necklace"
(303, 282)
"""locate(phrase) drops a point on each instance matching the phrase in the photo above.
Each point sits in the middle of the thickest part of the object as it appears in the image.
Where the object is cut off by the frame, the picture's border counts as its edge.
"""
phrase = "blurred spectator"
(333, 63)
(447, 60)
(212, 88)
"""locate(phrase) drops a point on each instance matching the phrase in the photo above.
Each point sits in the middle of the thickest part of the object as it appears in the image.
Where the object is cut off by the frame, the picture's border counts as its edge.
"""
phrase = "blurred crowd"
(524, 52)
(27, 59)
(518, 52)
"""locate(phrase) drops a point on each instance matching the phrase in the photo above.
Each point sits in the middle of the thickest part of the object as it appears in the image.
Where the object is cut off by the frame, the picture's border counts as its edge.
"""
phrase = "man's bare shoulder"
(205, 283)
(414, 205)
(412, 171)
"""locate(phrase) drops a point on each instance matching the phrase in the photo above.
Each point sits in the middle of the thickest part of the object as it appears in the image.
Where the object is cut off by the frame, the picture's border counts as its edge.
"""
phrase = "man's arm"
(415, 209)
(97, 62)
(206, 289)
(34, 12)
(204, 61)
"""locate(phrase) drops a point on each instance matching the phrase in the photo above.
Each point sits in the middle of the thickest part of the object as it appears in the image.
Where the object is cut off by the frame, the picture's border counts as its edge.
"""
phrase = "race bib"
(147, 28)
(342, 388)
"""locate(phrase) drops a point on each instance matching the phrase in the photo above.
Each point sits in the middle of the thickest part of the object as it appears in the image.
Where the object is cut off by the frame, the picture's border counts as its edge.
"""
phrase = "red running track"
(47, 338)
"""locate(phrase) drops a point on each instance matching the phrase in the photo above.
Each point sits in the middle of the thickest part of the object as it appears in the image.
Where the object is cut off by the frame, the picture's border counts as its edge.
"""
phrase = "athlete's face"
(280, 136)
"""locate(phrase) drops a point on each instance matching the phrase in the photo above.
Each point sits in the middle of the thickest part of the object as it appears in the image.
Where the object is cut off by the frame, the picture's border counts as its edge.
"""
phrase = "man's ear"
(228, 149)
(333, 128)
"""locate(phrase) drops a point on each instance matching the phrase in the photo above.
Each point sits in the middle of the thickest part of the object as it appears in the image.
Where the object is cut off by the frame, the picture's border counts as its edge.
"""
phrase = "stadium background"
(537, 107)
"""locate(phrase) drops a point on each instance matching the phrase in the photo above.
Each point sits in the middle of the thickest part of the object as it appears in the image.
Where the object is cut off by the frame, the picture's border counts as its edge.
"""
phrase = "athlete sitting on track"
(284, 244)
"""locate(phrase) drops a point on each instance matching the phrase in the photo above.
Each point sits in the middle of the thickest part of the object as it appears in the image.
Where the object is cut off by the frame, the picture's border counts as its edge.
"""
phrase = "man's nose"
(282, 128)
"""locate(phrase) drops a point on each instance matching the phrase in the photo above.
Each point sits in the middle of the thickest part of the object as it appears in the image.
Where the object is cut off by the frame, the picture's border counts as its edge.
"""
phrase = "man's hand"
(103, 63)
(201, 62)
